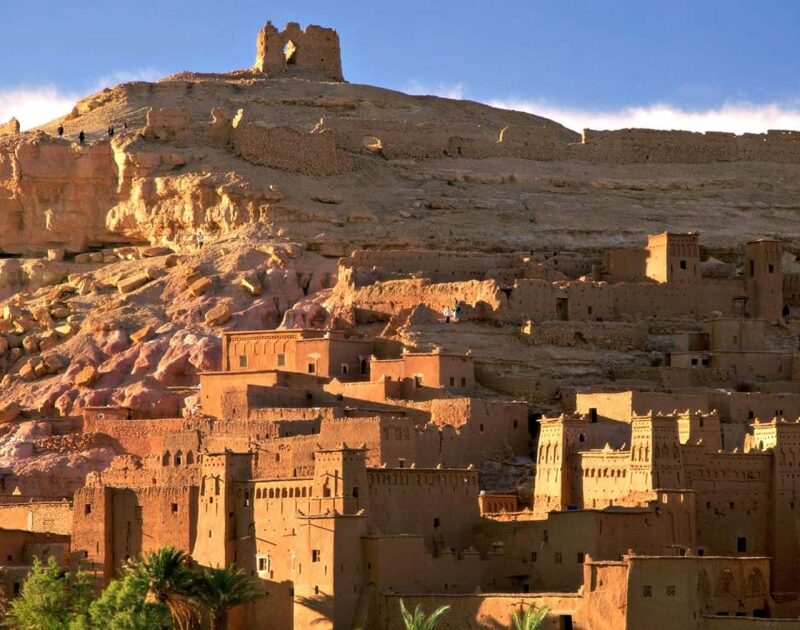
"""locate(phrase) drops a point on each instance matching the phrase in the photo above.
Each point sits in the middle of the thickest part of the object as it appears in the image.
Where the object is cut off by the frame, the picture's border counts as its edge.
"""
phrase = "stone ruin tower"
(314, 49)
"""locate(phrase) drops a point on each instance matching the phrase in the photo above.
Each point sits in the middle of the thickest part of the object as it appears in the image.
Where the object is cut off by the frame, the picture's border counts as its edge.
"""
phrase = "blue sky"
(694, 64)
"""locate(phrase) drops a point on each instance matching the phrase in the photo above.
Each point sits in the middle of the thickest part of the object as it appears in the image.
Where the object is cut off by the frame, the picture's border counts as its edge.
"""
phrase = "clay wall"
(50, 516)
(737, 335)
(403, 564)
(650, 145)
(745, 407)
(548, 554)
(543, 143)
(791, 289)
(752, 367)
(288, 149)
(379, 301)
(313, 48)
(146, 519)
(733, 498)
(497, 502)
(138, 437)
(395, 139)
(440, 505)
(589, 301)
(468, 431)
(624, 265)
(622, 405)
(372, 391)
(344, 359)
(664, 300)
(600, 478)
(534, 300)
(608, 335)
(669, 591)
(10, 128)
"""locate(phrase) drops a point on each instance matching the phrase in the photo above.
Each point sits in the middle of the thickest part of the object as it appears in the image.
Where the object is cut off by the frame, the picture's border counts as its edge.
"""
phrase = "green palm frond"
(531, 619)
(418, 620)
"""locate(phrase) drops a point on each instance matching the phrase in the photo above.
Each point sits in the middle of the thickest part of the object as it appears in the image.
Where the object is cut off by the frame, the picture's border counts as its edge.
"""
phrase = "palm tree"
(217, 590)
(418, 621)
(531, 619)
(168, 578)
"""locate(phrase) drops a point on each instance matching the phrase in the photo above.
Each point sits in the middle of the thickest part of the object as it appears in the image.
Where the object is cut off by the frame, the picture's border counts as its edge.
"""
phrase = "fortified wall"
(651, 145)
(11, 128)
(313, 48)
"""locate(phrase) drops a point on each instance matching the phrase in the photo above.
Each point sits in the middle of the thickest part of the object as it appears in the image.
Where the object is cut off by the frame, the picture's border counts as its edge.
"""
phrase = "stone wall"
(287, 148)
(651, 145)
(313, 48)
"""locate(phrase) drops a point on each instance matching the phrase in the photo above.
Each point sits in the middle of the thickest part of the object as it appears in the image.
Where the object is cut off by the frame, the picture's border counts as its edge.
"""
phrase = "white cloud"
(38, 104)
(734, 117)
(34, 106)
(445, 90)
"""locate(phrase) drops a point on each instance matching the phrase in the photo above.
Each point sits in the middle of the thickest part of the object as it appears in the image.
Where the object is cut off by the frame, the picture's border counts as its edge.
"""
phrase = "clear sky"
(697, 64)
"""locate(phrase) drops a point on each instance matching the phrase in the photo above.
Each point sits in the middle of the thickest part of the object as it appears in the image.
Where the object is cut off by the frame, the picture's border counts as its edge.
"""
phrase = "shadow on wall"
(320, 604)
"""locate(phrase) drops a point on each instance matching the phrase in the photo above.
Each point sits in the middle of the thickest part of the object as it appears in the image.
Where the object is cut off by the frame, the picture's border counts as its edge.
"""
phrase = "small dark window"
(17, 588)
(87, 509)
(10, 558)
(174, 508)
(481, 427)
(751, 415)
(647, 590)
(770, 268)
(670, 590)
(558, 557)
(242, 360)
(436, 523)
(345, 368)
(732, 505)
(741, 544)
(534, 556)
(683, 264)
(355, 492)
(463, 382)
(452, 381)
(311, 368)
(315, 555)
(262, 564)
(694, 361)
(579, 558)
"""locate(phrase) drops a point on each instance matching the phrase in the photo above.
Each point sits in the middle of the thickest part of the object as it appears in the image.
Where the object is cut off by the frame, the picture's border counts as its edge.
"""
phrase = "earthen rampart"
(50, 516)
(651, 145)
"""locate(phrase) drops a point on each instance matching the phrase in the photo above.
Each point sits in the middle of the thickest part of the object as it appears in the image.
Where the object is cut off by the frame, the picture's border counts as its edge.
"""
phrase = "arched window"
(755, 583)
(271, 493)
(166, 458)
(189, 458)
(178, 458)
(726, 584)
